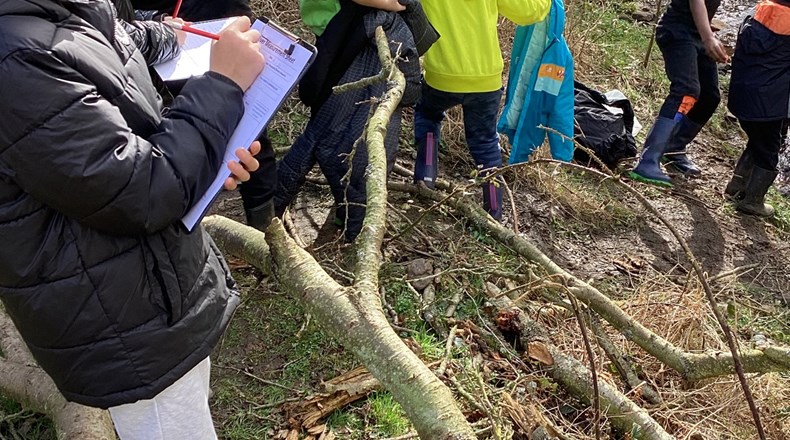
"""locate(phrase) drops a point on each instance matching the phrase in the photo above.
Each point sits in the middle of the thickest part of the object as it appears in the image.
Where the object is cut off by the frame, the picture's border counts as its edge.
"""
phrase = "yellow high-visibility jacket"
(467, 58)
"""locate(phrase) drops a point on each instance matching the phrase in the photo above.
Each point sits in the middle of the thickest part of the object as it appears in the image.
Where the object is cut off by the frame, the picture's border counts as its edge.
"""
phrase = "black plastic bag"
(605, 131)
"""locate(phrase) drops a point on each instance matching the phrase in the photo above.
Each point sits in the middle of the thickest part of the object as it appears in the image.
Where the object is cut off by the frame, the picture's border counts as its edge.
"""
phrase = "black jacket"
(760, 82)
(154, 39)
(114, 299)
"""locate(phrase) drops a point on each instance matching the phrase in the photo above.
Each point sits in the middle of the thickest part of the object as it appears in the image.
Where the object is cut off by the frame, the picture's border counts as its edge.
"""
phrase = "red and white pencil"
(191, 30)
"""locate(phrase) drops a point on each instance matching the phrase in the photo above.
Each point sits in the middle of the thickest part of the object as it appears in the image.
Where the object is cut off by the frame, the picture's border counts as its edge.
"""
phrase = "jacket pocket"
(165, 292)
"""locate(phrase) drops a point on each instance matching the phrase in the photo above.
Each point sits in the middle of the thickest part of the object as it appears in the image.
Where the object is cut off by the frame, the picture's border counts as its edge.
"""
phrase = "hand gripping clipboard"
(287, 59)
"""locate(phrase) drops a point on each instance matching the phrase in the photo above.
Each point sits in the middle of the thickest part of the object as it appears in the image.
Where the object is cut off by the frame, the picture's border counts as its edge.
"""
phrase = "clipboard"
(287, 59)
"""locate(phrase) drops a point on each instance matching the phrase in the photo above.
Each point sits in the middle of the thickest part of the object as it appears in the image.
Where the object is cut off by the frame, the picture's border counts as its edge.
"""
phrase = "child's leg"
(352, 193)
(292, 169)
(480, 119)
(428, 115)
(765, 140)
(680, 64)
(257, 194)
(690, 124)
(180, 411)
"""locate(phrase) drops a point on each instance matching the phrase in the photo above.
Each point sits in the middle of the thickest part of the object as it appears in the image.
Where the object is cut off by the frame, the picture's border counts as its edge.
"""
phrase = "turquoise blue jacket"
(540, 89)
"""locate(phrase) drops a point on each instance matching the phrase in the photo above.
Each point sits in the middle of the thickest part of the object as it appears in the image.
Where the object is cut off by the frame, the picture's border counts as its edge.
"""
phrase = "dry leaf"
(537, 351)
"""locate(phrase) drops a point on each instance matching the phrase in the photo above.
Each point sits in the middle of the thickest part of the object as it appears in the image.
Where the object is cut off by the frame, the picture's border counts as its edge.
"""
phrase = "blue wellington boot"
(648, 169)
(675, 159)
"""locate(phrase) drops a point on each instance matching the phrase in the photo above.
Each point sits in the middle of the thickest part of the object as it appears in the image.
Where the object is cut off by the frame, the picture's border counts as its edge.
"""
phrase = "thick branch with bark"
(624, 414)
(374, 225)
(354, 319)
(354, 315)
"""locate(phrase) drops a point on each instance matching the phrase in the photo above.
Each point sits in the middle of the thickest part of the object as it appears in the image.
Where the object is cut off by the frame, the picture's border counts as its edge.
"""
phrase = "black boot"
(676, 159)
(757, 186)
(741, 174)
(260, 217)
(257, 194)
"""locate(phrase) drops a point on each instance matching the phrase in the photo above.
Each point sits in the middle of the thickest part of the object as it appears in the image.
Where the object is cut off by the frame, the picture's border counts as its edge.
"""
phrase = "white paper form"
(285, 62)
(194, 55)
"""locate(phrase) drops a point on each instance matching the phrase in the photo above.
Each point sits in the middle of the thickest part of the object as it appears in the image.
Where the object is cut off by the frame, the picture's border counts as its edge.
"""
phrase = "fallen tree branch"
(702, 276)
(354, 319)
(368, 244)
(354, 315)
(575, 377)
(622, 365)
(691, 366)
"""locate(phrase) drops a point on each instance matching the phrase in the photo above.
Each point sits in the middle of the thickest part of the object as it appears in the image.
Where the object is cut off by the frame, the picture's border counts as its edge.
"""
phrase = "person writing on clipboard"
(117, 303)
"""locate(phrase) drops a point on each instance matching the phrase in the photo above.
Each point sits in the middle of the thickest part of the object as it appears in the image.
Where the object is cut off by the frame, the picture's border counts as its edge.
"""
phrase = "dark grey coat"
(115, 300)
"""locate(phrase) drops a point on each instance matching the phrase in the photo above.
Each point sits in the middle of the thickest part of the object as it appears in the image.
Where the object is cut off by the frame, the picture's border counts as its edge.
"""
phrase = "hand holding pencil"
(237, 53)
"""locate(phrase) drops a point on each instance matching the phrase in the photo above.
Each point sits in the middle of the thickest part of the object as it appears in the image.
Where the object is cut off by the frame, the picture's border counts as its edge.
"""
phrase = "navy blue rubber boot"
(648, 169)
(675, 159)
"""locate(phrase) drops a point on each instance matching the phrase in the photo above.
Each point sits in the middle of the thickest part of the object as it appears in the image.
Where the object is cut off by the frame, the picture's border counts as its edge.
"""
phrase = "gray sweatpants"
(179, 412)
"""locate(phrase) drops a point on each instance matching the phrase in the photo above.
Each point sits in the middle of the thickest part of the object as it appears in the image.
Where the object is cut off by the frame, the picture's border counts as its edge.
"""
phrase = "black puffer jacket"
(114, 299)
(156, 40)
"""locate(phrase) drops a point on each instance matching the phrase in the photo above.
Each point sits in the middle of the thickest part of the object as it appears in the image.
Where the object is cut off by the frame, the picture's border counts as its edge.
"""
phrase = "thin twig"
(653, 36)
(741, 270)
(512, 205)
(259, 379)
(593, 369)
(425, 212)
(621, 364)
(448, 349)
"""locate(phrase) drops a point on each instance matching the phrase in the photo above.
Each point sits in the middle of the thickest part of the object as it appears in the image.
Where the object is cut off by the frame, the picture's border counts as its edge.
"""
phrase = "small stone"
(539, 434)
(643, 16)
(420, 271)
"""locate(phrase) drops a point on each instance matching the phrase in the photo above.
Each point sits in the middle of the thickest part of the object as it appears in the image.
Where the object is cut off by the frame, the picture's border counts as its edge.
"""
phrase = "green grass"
(768, 319)
(345, 421)
(611, 51)
(431, 347)
(18, 423)
(781, 204)
(402, 299)
(389, 418)
(268, 338)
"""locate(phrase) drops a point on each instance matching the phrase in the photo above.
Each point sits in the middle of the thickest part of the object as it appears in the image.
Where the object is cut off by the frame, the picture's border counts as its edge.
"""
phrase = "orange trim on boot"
(687, 104)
